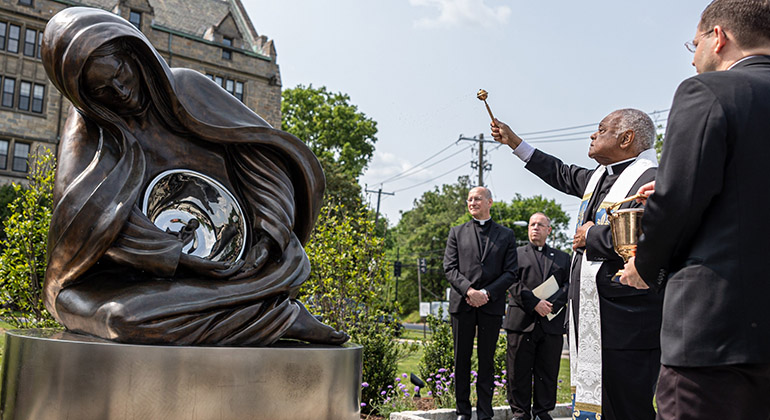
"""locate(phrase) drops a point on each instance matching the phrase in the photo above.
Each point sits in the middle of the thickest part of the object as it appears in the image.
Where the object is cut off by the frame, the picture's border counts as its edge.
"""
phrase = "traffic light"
(397, 268)
(423, 265)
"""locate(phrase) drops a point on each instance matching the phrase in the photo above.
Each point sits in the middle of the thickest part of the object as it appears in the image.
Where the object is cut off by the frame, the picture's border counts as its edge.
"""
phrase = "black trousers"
(532, 364)
(628, 383)
(740, 392)
(464, 328)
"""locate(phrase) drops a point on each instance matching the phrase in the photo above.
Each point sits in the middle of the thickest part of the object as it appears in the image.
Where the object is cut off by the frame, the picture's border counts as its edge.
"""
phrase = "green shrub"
(23, 259)
(438, 353)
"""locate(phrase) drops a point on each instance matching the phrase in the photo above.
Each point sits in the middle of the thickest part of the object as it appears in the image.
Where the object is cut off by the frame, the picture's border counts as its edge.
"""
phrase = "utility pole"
(480, 164)
(379, 195)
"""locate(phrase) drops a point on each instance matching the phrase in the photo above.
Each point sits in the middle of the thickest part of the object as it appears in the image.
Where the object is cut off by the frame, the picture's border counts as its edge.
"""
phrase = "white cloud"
(462, 12)
(385, 165)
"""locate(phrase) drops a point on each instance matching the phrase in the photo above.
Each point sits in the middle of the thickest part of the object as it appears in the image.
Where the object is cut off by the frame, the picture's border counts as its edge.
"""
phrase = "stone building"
(215, 37)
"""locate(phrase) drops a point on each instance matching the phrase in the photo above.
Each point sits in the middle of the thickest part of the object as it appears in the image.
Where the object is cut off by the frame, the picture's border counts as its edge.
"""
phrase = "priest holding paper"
(534, 322)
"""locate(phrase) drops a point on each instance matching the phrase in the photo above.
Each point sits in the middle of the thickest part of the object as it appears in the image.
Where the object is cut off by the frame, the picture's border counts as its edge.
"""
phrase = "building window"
(9, 88)
(3, 29)
(4, 154)
(38, 94)
(25, 93)
(30, 42)
(14, 32)
(26, 2)
(136, 19)
(234, 87)
(20, 156)
(239, 91)
(226, 53)
(39, 43)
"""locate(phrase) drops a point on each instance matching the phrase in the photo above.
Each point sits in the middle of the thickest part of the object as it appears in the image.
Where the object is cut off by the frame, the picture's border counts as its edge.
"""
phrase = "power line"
(431, 165)
(552, 138)
(402, 173)
(433, 179)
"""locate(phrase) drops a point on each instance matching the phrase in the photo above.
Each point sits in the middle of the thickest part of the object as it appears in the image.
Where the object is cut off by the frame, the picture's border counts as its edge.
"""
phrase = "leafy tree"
(348, 270)
(23, 261)
(7, 196)
(659, 143)
(340, 136)
(422, 233)
(346, 288)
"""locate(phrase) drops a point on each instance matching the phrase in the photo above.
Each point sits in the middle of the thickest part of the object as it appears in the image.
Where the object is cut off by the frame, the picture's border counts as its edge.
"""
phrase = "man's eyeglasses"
(691, 45)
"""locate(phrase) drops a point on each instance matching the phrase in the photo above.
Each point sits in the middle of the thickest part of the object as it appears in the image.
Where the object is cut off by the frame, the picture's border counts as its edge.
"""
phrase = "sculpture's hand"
(209, 268)
(255, 259)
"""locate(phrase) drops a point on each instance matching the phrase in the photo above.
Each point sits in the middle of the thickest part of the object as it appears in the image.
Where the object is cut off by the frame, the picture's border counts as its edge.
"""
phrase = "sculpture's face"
(115, 82)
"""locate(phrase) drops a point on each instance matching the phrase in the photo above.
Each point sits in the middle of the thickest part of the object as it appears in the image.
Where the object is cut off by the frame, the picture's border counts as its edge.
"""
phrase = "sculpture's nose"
(120, 88)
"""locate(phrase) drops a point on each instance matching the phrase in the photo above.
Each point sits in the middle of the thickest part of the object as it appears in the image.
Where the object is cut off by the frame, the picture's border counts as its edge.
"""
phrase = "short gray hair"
(641, 124)
(487, 191)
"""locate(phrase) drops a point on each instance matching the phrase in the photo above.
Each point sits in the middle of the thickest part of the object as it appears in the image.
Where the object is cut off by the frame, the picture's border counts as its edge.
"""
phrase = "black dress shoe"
(463, 417)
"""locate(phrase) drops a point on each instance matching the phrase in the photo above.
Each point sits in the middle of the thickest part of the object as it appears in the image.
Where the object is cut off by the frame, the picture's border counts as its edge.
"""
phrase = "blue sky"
(414, 66)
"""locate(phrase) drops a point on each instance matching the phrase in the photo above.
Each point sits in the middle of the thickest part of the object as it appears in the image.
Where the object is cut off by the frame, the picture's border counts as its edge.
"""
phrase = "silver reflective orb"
(200, 211)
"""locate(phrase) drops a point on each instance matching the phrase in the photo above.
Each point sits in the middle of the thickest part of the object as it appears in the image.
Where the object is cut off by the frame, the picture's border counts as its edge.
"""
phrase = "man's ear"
(721, 38)
(626, 139)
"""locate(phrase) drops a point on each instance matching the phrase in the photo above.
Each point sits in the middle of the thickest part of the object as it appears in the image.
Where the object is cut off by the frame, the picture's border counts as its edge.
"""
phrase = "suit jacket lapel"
(547, 261)
(471, 241)
(493, 232)
(530, 254)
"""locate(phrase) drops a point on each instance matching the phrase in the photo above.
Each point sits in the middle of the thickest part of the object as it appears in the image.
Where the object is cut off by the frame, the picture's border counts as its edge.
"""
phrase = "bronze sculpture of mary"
(179, 214)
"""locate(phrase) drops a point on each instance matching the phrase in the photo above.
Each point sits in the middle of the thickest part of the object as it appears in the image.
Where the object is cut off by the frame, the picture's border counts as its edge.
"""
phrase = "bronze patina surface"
(213, 256)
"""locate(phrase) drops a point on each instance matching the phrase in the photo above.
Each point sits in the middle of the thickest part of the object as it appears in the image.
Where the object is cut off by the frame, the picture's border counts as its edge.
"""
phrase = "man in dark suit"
(628, 340)
(704, 239)
(535, 326)
(480, 265)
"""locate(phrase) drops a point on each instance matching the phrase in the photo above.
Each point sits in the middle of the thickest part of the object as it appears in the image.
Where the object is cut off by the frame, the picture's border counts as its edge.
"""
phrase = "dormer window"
(227, 54)
(135, 18)
(26, 2)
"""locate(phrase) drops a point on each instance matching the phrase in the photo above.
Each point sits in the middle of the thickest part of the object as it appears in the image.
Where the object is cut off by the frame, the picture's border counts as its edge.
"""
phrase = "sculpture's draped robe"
(111, 272)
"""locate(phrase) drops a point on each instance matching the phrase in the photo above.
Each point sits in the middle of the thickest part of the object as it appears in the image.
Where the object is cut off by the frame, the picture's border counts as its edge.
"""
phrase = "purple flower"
(364, 385)
(398, 379)
(442, 370)
(406, 394)
(430, 393)
(383, 393)
(504, 372)
(363, 404)
(404, 375)
(473, 373)
(452, 375)
(416, 389)
(390, 386)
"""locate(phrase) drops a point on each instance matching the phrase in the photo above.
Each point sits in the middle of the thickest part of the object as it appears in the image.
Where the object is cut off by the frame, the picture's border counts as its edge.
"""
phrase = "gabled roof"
(196, 18)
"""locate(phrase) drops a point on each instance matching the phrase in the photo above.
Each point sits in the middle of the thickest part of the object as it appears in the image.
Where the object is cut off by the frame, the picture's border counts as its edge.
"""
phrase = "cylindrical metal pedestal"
(54, 376)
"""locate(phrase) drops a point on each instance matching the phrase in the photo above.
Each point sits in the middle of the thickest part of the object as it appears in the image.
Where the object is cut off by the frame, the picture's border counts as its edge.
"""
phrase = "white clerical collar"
(611, 171)
(481, 222)
(742, 59)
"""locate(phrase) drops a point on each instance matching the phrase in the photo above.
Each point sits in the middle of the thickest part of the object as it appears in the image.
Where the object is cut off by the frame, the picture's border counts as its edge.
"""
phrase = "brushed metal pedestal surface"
(58, 375)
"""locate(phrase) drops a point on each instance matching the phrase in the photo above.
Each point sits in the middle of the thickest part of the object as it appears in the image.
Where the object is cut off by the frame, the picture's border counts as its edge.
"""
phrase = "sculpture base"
(49, 375)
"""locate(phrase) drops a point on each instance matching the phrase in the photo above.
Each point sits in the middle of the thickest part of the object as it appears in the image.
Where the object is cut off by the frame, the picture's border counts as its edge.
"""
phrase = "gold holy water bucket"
(626, 227)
